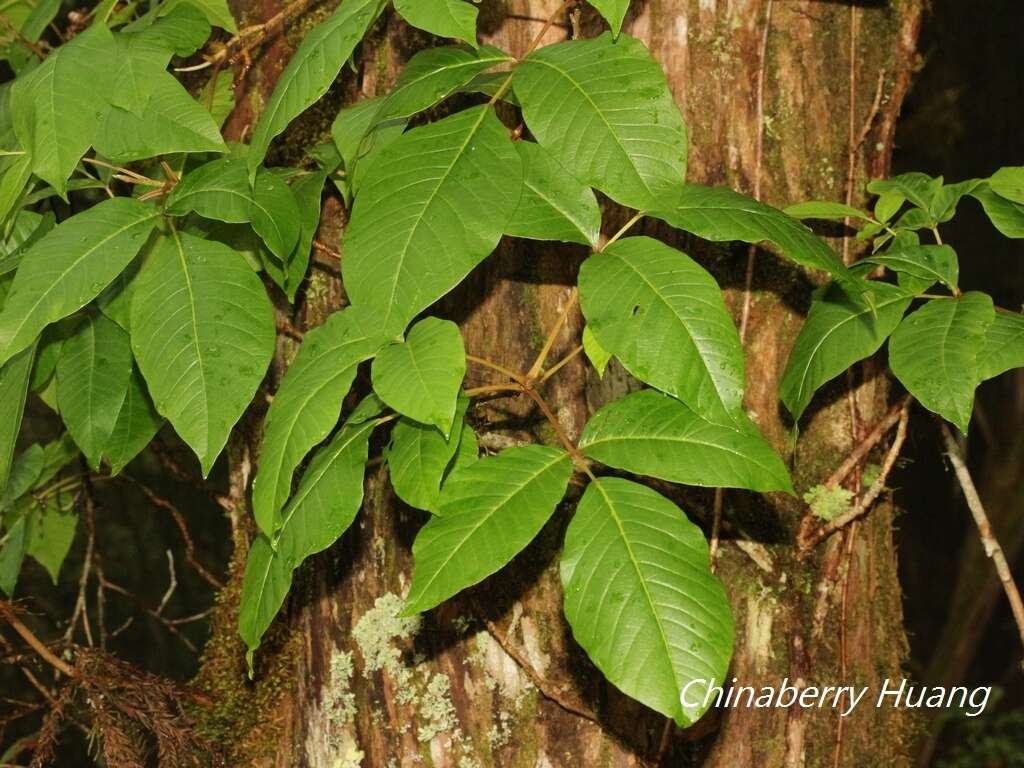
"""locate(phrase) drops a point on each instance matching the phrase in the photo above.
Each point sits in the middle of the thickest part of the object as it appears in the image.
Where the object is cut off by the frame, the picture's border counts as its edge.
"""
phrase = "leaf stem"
(623, 229)
(532, 47)
(557, 366)
(516, 377)
(542, 356)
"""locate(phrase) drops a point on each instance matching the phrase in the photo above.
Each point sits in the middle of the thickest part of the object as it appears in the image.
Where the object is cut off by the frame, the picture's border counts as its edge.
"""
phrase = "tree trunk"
(786, 101)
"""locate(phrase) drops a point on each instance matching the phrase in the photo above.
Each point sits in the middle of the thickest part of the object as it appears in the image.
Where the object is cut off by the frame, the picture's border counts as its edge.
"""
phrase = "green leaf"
(421, 376)
(12, 183)
(648, 433)
(919, 188)
(948, 196)
(324, 506)
(56, 456)
(1008, 183)
(662, 315)
(307, 192)
(171, 121)
(12, 553)
(216, 12)
(444, 18)
(58, 105)
(836, 334)
(603, 109)
(25, 473)
(183, 29)
(92, 379)
(888, 205)
(554, 204)
(1005, 215)
(220, 190)
(311, 71)
(597, 354)
(307, 405)
(433, 206)
(488, 512)
(719, 214)
(469, 449)
(52, 532)
(934, 354)
(613, 11)
(70, 266)
(203, 334)
(817, 209)
(137, 423)
(14, 378)
(641, 599)
(1004, 345)
(218, 96)
(419, 456)
(930, 263)
(364, 130)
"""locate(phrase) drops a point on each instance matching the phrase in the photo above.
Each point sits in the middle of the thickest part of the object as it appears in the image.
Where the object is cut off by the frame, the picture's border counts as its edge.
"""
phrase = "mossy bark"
(767, 90)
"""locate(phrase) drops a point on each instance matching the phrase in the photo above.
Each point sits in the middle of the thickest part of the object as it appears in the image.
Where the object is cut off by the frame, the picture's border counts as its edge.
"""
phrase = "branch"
(988, 539)
(34, 642)
(812, 539)
(544, 686)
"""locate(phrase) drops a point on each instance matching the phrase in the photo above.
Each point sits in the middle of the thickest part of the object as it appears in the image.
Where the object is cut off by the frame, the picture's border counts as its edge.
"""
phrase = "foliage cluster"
(139, 250)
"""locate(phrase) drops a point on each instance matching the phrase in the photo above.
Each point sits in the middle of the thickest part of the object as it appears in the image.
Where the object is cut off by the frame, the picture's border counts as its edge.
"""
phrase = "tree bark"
(784, 100)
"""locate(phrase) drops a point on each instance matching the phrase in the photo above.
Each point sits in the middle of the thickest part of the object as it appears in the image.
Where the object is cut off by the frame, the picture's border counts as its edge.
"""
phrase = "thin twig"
(34, 642)
(716, 527)
(748, 279)
(811, 540)
(542, 684)
(988, 539)
(179, 520)
(869, 442)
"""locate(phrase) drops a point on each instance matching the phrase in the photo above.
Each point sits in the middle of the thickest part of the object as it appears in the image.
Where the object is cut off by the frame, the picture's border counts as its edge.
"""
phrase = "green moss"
(828, 503)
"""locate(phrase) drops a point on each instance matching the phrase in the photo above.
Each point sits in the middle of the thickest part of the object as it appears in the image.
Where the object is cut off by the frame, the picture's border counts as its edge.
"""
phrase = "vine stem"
(34, 642)
(988, 539)
(530, 49)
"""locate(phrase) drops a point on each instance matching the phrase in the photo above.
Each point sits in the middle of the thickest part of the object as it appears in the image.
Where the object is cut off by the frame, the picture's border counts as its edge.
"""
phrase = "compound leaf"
(662, 315)
(57, 106)
(648, 433)
(934, 353)
(420, 455)
(203, 334)
(613, 11)
(69, 267)
(311, 71)
(92, 379)
(554, 204)
(433, 205)
(1004, 345)
(836, 334)
(137, 423)
(306, 406)
(641, 599)
(720, 214)
(444, 18)
(488, 512)
(421, 376)
(930, 263)
(14, 378)
(325, 504)
(603, 109)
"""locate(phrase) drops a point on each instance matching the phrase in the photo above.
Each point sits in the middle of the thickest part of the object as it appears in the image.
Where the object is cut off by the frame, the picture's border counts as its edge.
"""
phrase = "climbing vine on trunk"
(151, 303)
